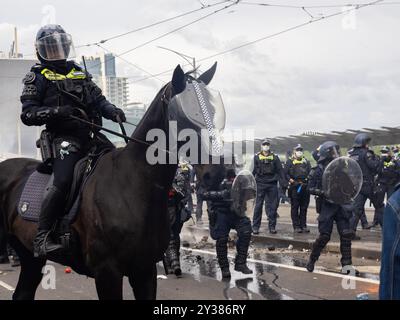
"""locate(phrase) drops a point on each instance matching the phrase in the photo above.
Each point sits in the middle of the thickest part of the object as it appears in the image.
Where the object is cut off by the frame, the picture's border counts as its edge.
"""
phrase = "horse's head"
(196, 110)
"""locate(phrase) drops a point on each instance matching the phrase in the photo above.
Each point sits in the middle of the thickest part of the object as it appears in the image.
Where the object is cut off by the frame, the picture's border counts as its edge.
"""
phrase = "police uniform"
(179, 213)
(221, 220)
(368, 163)
(388, 177)
(267, 171)
(52, 92)
(328, 214)
(298, 170)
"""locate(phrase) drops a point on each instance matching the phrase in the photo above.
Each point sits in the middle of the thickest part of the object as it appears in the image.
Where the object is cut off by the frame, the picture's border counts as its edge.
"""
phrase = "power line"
(130, 63)
(152, 24)
(180, 28)
(274, 35)
(170, 32)
(315, 6)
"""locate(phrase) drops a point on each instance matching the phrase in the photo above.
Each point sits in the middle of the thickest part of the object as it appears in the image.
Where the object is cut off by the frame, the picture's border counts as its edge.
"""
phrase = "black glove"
(63, 111)
(118, 114)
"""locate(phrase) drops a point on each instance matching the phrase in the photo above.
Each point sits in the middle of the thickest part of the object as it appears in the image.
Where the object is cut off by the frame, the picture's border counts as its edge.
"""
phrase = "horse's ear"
(178, 80)
(207, 76)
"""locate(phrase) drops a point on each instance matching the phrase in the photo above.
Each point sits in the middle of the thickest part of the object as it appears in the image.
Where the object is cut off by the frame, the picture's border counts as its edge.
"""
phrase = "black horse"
(122, 222)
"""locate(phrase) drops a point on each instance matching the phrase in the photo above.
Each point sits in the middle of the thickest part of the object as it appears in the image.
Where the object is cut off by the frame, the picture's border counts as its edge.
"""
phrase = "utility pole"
(192, 60)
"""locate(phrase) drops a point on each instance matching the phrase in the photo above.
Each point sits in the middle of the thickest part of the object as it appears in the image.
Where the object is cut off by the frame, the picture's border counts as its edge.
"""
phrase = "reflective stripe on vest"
(388, 164)
(262, 157)
(303, 160)
(53, 76)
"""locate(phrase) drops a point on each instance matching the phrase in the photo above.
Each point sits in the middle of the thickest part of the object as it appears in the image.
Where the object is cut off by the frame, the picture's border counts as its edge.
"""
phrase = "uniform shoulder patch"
(29, 78)
(29, 90)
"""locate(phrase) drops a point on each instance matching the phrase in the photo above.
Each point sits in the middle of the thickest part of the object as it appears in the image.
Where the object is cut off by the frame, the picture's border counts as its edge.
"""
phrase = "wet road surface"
(278, 276)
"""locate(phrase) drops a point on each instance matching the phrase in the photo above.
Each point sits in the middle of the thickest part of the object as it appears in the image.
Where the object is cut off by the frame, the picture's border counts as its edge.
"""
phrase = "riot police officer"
(297, 169)
(222, 218)
(369, 163)
(268, 172)
(54, 90)
(179, 213)
(329, 212)
(388, 177)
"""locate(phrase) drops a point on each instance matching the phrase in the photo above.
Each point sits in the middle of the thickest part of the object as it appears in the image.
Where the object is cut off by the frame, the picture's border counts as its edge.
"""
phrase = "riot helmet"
(329, 150)
(54, 44)
(362, 140)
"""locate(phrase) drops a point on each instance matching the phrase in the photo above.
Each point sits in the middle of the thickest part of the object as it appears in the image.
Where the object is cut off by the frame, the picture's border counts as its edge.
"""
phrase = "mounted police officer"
(54, 90)
(268, 172)
(223, 217)
(297, 169)
(387, 179)
(179, 213)
(329, 211)
(369, 163)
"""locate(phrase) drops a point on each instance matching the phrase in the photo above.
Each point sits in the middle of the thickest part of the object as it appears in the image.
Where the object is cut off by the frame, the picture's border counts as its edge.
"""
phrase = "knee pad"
(325, 237)
(347, 234)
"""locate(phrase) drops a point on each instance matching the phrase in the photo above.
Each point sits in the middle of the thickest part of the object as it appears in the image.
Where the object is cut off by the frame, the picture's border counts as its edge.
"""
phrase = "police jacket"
(368, 162)
(389, 172)
(220, 200)
(315, 180)
(297, 170)
(268, 169)
(47, 88)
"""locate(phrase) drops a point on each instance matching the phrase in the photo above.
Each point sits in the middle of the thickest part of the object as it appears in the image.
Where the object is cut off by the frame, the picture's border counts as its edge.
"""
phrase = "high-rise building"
(103, 70)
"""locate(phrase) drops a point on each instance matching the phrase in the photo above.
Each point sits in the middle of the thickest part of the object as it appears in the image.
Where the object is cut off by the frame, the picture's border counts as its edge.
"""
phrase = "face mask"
(265, 148)
(298, 154)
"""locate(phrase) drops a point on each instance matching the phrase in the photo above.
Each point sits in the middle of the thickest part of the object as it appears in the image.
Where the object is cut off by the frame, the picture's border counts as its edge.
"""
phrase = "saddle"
(38, 183)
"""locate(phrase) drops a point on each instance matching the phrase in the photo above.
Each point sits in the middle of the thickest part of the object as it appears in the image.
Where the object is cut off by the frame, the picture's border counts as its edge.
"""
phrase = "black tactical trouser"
(382, 191)
(359, 207)
(220, 232)
(173, 250)
(299, 202)
(199, 205)
(330, 213)
(267, 193)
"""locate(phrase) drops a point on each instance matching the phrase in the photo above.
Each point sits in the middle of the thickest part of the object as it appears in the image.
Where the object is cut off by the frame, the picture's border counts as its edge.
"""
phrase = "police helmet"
(53, 43)
(361, 140)
(328, 151)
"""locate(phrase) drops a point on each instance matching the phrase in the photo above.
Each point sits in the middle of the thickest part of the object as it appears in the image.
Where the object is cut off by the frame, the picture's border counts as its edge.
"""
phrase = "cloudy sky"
(334, 74)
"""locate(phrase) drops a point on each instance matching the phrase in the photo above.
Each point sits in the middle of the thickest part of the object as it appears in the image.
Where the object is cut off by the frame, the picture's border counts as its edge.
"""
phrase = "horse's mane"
(157, 100)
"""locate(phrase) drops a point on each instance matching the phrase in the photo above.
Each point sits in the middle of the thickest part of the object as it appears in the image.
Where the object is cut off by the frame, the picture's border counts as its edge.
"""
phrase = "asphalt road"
(275, 277)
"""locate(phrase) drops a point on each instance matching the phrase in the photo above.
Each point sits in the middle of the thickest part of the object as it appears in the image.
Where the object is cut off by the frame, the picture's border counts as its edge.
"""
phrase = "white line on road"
(279, 265)
(5, 285)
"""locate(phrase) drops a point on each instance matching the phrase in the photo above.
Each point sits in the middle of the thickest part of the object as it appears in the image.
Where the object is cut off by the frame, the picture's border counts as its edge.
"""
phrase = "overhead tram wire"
(314, 6)
(316, 19)
(152, 24)
(172, 31)
(181, 27)
(130, 63)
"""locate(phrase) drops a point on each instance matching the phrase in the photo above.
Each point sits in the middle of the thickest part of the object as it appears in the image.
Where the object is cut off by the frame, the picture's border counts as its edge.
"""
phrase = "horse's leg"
(30, 274)
(144, 282)
(108, 283)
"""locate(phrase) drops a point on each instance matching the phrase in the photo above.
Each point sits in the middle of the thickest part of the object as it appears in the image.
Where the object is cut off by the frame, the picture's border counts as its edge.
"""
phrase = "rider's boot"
(51, 207)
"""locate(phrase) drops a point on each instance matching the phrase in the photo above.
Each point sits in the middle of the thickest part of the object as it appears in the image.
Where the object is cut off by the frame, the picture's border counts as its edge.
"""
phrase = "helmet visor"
(57, 46)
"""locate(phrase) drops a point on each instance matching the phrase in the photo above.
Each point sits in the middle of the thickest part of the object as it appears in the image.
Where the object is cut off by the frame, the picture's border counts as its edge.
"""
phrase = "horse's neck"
(134, 154)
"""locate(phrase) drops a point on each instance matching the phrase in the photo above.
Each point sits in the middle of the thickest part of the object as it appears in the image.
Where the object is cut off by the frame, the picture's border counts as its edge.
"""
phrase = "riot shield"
(342, 180)
(243, 194)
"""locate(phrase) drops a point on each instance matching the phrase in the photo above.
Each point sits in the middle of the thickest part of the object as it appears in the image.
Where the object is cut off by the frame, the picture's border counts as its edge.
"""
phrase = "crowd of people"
(301, 178)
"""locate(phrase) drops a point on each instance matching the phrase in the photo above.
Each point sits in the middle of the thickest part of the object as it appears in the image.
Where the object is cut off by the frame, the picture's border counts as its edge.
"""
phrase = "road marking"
(279, 265)
(5, 285)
